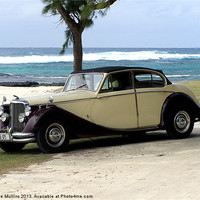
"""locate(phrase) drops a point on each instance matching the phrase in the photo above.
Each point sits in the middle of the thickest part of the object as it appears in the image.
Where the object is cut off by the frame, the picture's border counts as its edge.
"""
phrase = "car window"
(147, 80)
(87, 81)
(117, 82)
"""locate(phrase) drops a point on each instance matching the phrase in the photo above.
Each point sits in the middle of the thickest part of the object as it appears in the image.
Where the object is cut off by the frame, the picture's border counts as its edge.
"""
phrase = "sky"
(128, 23)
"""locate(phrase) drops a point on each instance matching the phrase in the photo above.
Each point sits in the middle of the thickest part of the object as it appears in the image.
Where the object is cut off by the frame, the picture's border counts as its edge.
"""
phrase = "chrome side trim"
(129, 93)
(153, 91)
(115, 95)
(134, 93)
(136, 129)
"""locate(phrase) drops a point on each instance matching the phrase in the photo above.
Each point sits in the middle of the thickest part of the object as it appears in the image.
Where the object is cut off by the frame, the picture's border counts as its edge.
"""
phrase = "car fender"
(178, 99)
(40, 116)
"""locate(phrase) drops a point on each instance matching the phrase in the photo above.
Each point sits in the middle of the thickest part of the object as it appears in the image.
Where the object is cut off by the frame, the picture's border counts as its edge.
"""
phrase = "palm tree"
(77, 15)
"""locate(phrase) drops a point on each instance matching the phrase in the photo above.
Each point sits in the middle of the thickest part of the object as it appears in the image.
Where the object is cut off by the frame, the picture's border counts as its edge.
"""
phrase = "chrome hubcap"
(182, 121)
(55, 135)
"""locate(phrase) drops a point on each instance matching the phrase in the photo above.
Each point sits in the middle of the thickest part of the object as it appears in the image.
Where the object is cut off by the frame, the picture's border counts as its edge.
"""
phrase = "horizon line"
(102, 47)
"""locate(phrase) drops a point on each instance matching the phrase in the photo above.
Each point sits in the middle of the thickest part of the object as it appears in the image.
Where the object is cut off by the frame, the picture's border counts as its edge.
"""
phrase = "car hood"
(60, 97)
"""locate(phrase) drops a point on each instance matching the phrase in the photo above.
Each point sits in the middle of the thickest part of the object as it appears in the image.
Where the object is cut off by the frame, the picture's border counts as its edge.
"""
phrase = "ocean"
(45, 65)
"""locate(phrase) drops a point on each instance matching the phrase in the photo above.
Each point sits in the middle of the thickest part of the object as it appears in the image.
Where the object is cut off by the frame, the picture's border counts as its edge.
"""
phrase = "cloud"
(20, 9)
(128, 23)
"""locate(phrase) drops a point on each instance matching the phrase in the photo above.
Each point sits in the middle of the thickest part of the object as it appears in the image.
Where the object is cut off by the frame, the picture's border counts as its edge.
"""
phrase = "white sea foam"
(35, 59)
(113, 55)
(178, 75)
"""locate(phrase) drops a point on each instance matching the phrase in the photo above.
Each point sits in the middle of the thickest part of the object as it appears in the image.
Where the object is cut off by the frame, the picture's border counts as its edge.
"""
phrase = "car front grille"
(16, 108)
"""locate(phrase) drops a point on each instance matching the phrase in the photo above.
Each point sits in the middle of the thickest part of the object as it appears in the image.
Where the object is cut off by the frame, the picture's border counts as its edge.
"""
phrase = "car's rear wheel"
(53, 136)
(11, 147)
(179, 122)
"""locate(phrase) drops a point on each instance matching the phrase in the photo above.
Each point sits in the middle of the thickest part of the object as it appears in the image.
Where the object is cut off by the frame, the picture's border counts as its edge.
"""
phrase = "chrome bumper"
(17, 137)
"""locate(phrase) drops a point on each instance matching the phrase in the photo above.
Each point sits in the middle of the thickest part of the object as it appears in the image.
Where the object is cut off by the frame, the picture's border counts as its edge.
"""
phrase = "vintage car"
(99, 102)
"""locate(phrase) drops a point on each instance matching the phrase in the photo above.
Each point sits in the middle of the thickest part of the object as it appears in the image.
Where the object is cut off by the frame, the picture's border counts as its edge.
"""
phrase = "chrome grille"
(15, 109)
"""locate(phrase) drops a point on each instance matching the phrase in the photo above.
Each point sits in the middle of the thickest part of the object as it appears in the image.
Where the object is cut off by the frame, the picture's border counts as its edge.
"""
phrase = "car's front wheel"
(53, 136)
(179, 123)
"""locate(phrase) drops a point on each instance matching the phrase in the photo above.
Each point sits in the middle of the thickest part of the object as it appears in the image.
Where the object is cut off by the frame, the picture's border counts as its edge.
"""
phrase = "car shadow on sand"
(110, 141)
(151, 137)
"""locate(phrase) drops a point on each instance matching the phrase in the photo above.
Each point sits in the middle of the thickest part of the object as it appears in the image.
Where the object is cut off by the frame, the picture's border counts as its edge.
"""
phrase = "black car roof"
(103, 69)
(115, 69)
(110, 69)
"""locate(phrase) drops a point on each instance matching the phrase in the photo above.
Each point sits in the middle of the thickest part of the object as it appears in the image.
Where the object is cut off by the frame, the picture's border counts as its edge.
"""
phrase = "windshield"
(88, 81)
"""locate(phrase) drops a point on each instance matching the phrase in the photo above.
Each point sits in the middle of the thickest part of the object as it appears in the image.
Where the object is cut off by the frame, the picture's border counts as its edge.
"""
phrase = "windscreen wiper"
(81, 86)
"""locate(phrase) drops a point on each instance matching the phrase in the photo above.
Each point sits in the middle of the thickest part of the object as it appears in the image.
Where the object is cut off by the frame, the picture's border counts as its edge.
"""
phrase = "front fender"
(39, 117)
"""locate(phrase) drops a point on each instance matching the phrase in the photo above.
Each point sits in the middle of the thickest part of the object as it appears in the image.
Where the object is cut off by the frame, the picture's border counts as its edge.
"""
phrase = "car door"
(115, 105)
(151, 95)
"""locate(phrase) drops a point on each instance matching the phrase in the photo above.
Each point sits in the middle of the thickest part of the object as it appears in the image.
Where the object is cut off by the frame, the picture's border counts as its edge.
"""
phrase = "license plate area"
(5, 137)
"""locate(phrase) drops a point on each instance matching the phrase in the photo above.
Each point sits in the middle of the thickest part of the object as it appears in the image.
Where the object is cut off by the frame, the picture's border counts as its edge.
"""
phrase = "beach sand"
(26, 91)
(155, 167)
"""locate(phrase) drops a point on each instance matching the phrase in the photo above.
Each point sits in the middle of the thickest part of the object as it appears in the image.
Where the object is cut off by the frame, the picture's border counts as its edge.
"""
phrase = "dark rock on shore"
(29, 84)
(52, 84)
(19, 84)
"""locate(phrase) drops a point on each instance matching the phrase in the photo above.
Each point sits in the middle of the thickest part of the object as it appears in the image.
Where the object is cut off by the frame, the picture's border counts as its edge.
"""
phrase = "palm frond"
(68, 41)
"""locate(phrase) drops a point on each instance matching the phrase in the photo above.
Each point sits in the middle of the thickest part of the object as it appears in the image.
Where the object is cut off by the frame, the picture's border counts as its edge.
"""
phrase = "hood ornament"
(16, 97)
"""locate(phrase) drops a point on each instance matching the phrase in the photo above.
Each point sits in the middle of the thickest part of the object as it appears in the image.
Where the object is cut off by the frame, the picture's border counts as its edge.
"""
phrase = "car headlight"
(27, 111)
(21, 117)
(1, 110)
(5, 117)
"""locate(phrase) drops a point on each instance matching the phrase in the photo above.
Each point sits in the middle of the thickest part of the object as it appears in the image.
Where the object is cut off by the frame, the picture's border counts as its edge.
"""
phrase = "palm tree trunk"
(77, 51)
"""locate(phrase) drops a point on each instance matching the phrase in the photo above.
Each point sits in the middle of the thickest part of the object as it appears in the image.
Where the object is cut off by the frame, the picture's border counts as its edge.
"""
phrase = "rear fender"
(175, 100)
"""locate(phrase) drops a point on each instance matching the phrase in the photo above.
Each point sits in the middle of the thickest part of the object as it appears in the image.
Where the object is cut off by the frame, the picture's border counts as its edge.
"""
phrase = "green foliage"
(51, 7)
(80, 14)
(69, 40)
(73, 6)
(77, 10)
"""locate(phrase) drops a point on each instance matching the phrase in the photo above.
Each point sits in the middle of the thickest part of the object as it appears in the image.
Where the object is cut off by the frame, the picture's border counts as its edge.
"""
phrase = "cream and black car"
(99, 102)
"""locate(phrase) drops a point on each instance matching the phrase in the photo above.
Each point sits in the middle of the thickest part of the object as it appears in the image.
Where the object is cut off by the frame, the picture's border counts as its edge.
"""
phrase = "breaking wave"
(111, 55)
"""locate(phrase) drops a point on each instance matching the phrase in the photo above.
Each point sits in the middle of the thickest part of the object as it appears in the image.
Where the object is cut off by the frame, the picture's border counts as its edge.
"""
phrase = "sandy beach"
(149, 168)
(26, 91)
(154, 167)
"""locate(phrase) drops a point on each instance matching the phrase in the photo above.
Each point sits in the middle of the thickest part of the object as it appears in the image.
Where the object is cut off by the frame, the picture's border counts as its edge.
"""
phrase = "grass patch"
(194, 86)
(18, 160)
(31, 154)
